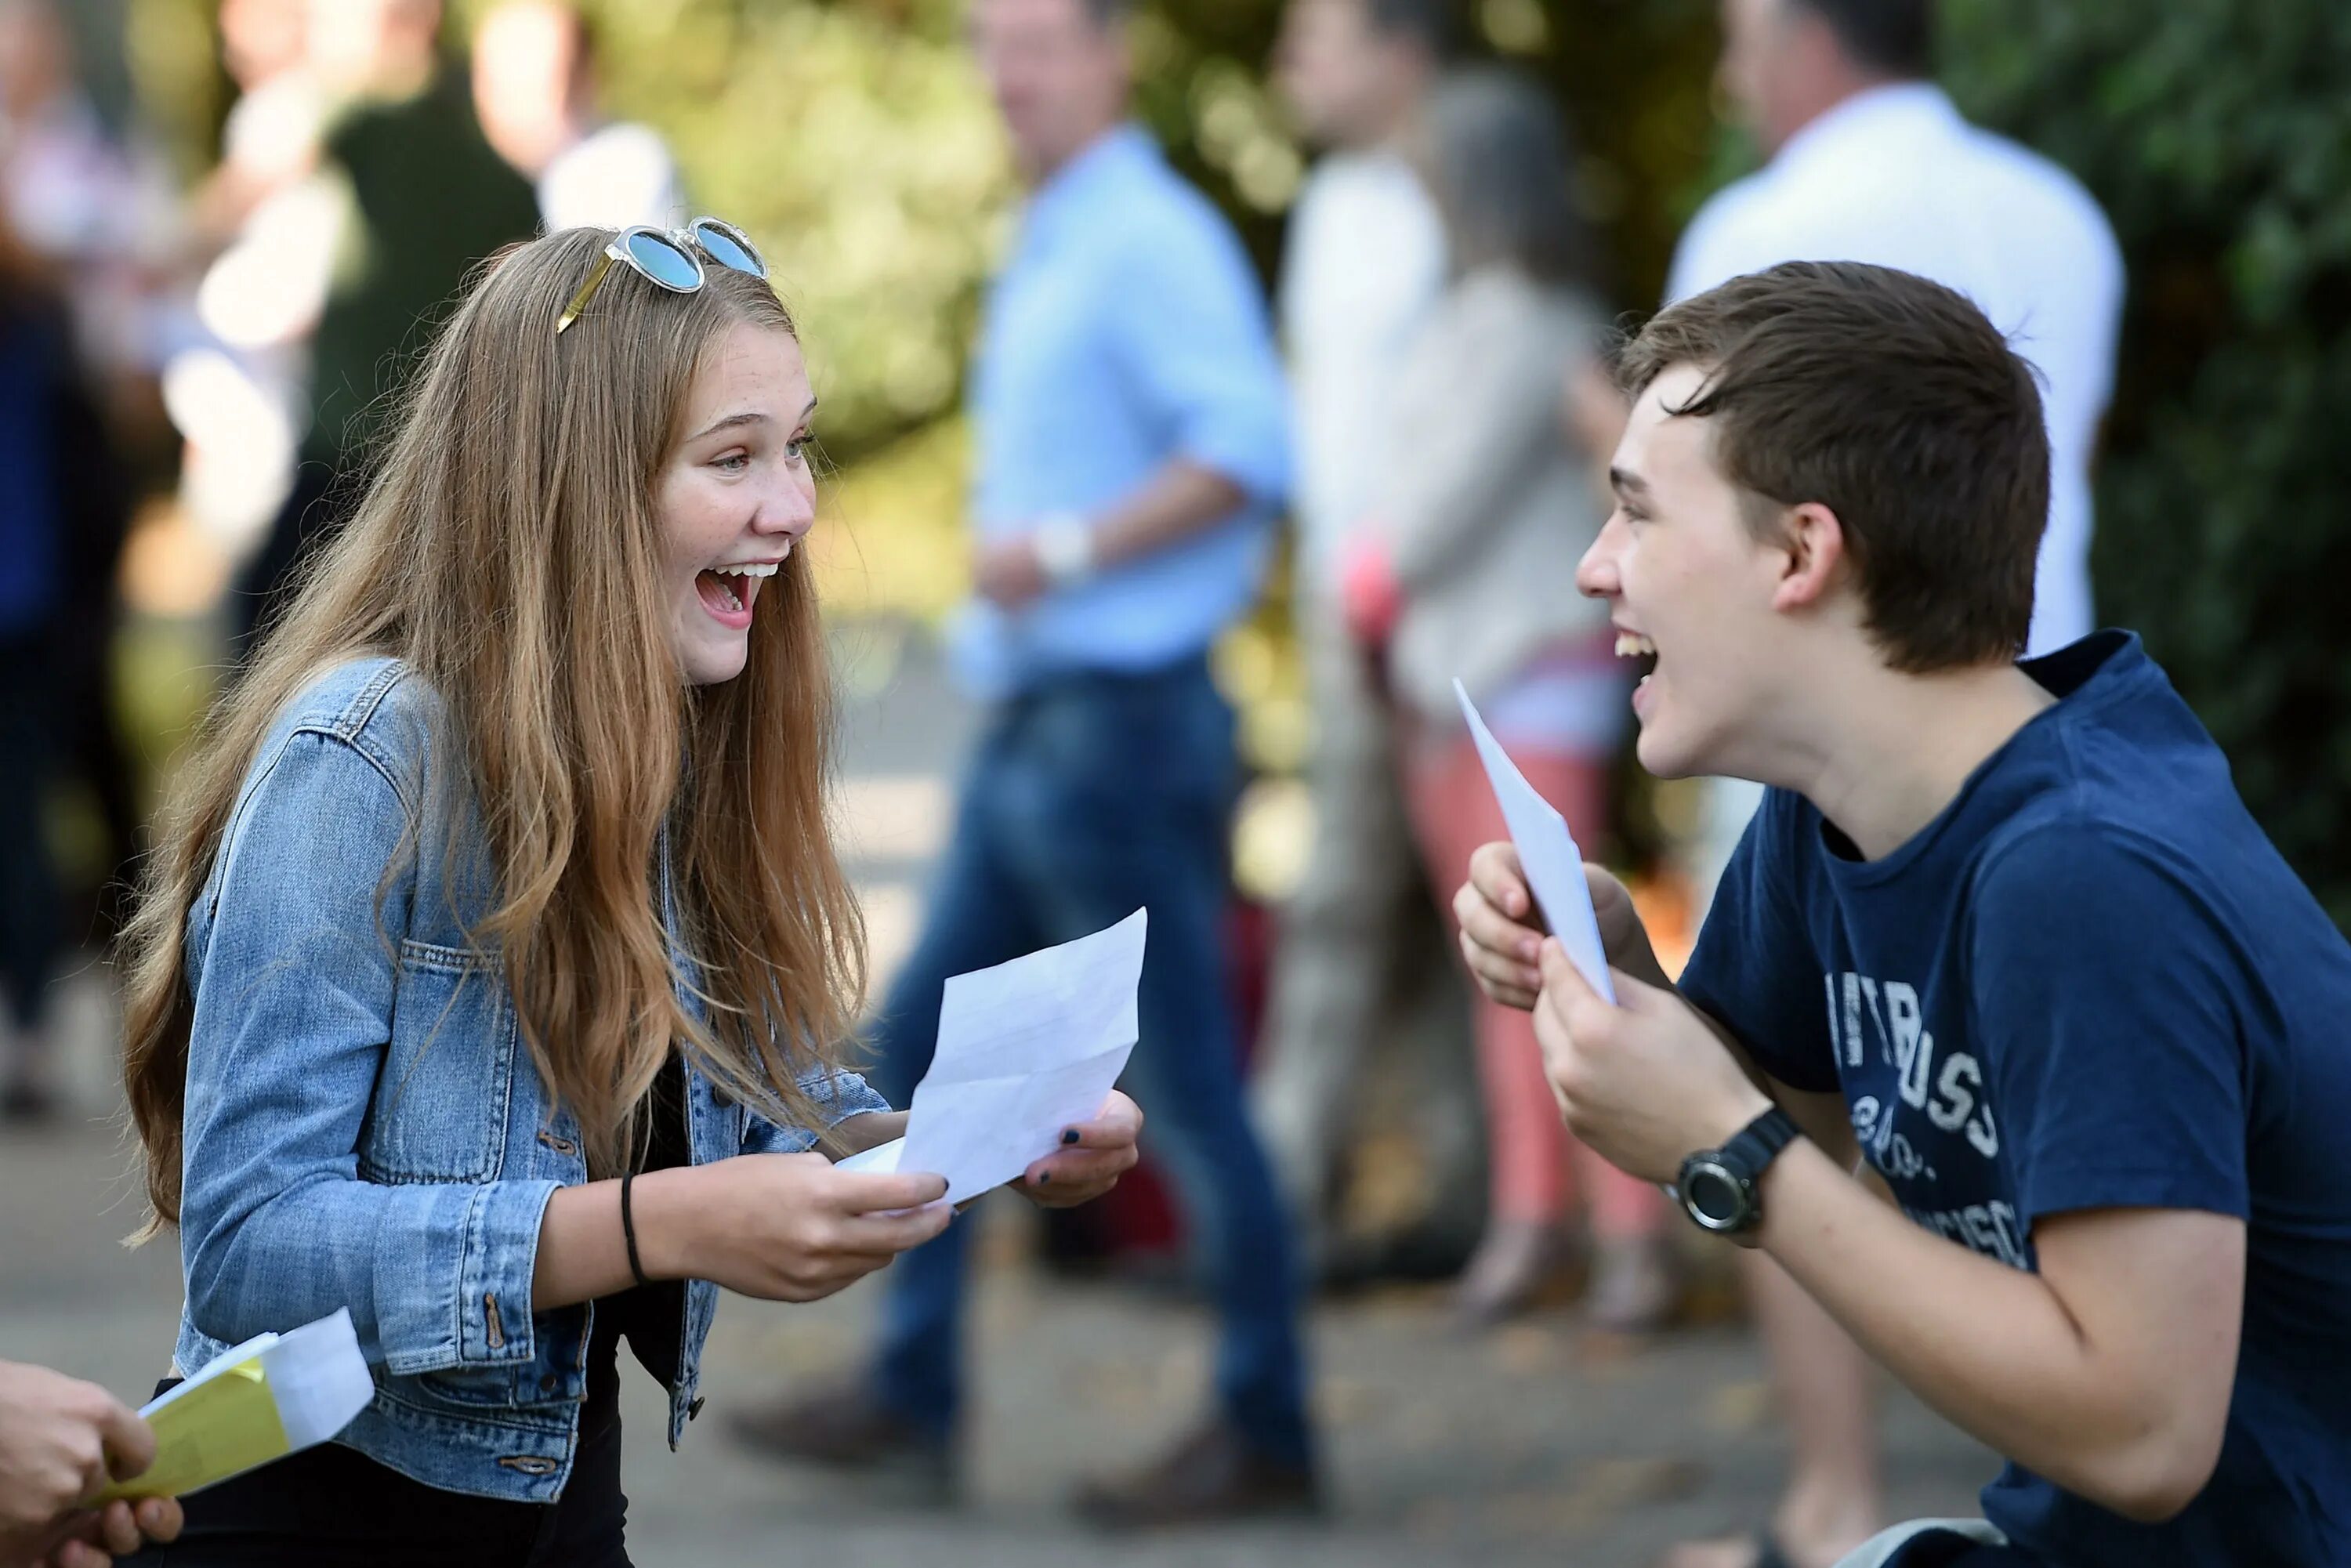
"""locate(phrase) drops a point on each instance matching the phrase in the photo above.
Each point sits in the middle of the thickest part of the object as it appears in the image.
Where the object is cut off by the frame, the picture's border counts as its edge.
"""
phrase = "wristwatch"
(1065, 548)
(1717, 1186)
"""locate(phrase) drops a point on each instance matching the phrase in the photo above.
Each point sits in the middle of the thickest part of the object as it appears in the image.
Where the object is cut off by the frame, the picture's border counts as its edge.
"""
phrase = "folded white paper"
(882, 1159)
(1547, 853)
(1025, 1050)
(273, 1395)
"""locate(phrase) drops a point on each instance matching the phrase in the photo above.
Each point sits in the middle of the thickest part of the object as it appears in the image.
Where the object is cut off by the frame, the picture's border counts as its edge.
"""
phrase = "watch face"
(1714, 1197)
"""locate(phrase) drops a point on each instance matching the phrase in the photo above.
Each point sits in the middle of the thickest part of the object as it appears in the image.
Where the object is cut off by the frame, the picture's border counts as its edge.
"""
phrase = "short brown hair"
(1895, 36)
(1891, 401)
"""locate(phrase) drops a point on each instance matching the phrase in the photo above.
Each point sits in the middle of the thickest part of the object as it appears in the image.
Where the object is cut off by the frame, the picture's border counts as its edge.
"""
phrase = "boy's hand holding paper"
(1553, 866)
(1649, 1082)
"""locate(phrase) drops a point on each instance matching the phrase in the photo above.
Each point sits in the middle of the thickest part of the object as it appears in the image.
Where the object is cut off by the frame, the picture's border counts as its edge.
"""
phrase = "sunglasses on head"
(668, 258)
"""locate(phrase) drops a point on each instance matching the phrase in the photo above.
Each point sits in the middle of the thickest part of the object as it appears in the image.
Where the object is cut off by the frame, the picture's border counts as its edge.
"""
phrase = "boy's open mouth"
(1633, 646)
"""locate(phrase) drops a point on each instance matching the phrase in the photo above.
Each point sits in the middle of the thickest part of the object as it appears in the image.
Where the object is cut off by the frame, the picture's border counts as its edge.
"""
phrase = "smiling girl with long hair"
(494, 968)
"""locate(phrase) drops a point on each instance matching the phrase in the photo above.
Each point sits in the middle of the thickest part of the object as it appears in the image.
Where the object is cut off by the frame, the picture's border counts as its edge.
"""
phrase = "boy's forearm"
(1992, 1347)
(1820, 1116)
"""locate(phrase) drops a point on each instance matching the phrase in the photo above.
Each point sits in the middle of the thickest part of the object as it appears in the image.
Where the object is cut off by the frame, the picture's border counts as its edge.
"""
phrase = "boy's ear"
(1815, 542)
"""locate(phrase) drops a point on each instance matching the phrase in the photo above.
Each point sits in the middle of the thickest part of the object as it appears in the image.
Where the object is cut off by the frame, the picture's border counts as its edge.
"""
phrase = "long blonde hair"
(509, 553)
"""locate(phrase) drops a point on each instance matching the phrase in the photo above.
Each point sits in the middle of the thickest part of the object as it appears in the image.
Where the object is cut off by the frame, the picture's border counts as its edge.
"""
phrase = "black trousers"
(332, 1507)
(31, 922)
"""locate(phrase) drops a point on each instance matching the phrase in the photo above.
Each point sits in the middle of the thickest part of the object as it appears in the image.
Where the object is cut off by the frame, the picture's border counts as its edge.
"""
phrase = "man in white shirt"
(1360, 941)
(1870, 162)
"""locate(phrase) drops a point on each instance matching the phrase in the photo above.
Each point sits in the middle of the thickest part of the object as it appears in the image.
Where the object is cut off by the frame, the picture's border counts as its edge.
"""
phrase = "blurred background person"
(1870, 162)
(270, 136)
(535, 93)
(60, 523)
(97, 216)
(1361, 959)
(1128, 463)
(267, 222)
(94, 223)
(35, 356)
(1454, 571)
(425, 198)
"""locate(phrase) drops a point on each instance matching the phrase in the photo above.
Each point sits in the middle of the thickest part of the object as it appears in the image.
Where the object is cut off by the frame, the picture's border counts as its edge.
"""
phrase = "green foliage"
(855, 144)
(2217, 136)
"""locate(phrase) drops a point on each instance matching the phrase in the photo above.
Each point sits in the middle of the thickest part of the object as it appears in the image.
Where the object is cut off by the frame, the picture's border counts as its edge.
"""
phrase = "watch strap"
(1759, 1142)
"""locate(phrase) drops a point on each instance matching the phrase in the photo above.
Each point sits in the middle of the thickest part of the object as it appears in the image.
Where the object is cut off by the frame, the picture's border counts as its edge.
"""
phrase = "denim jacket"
(363, 1129)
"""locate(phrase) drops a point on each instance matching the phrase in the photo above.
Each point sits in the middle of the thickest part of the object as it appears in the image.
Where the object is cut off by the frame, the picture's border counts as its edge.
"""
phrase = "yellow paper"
(228, 1424)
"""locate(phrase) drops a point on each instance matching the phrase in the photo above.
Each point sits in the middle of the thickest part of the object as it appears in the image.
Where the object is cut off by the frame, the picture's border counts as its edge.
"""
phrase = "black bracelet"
(628, 1230)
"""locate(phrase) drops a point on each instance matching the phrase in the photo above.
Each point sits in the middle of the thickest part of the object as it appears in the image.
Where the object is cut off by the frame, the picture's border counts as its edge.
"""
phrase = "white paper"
(320, 1377)
(316, 1381)
(882, 1159)
(1547, 851)
(1025, 1050)
(316, 1374)
(236, 1355)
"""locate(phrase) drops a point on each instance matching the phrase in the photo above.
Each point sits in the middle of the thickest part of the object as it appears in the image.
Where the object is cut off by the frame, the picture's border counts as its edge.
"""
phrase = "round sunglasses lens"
(664, 263)
(727, 248)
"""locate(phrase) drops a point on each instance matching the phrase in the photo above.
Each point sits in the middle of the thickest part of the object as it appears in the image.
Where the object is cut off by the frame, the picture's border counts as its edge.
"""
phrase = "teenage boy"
(2002, 931)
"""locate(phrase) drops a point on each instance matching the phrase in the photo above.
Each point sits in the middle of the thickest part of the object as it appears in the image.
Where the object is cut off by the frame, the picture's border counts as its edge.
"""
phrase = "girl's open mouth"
(729, 592)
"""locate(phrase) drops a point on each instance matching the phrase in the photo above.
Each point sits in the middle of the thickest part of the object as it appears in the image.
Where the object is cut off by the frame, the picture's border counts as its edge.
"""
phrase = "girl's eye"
(797, 449)
(733, 463)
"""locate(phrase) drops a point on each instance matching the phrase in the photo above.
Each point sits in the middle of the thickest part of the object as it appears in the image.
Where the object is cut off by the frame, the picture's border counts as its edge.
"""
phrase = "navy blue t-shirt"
(2091, 982)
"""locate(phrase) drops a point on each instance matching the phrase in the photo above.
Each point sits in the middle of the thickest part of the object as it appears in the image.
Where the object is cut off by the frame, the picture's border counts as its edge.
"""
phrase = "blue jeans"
(1089, 796)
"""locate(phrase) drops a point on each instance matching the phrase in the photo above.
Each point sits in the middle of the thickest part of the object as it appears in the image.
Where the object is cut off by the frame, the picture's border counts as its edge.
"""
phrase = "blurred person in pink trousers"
(1454, 574)
(1363, 989)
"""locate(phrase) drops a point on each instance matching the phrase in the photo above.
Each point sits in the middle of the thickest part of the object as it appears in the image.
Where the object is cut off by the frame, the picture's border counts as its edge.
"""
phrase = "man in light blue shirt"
(1126, 402)
(1132, 453)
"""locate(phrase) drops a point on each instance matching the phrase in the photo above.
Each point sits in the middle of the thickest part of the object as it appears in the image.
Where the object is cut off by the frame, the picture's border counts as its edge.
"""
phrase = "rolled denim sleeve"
(292, 1023)
(837, 1096)
(1194, 338)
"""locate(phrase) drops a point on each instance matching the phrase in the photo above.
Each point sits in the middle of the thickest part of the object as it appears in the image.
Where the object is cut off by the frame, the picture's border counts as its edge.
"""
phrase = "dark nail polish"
(1068, 1134)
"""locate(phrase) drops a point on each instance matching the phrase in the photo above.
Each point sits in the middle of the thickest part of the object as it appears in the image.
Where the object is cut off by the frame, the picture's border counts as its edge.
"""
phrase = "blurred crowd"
(1428, 399)
(224, 346)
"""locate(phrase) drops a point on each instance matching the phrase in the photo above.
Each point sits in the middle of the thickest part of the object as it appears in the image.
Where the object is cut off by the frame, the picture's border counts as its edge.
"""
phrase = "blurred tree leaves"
(2217, 136)
(855, 144)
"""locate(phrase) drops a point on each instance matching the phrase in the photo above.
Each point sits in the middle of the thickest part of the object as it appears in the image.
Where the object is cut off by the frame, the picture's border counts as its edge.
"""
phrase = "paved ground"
(1531, 1445)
